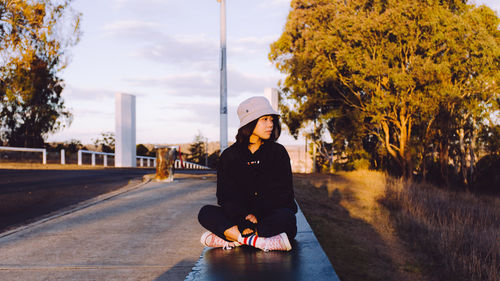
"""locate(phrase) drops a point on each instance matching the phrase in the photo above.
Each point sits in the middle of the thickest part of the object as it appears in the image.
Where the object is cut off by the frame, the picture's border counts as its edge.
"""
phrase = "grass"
(353, 228)
(373, 227)
(459, 232)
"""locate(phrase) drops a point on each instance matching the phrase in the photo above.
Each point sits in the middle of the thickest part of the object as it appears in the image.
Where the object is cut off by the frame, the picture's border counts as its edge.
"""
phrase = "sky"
(167, 54)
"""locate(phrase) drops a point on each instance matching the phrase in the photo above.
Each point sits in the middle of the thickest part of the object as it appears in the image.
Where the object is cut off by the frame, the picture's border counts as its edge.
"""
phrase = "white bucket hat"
(254, 108)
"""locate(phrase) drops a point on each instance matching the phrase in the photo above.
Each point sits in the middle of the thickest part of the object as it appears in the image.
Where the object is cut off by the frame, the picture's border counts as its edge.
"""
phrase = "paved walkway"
(148, 233)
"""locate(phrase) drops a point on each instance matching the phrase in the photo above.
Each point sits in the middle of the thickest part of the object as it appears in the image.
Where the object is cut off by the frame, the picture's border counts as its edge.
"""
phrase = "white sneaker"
(277, 243)
(211, 240)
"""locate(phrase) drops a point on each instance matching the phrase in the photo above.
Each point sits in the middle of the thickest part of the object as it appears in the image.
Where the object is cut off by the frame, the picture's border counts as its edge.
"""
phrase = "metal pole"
(223, 78)
(206, 152)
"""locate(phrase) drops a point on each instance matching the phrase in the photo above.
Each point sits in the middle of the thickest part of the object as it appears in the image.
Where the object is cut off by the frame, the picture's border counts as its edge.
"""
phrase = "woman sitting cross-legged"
(254, 186)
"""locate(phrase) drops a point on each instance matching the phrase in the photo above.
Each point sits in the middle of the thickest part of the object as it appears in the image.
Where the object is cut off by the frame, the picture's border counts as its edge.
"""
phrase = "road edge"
(79, 206)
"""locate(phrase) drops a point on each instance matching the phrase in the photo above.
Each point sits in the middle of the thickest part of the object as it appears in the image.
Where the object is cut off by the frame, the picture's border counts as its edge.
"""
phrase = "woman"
(254, 186)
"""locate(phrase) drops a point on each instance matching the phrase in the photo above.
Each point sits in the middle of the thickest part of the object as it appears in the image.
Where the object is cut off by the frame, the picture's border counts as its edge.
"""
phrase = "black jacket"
(254, 183)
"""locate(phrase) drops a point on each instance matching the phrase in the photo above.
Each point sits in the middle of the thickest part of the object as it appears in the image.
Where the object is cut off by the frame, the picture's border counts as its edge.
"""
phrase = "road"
(28, 194)
(147, 233)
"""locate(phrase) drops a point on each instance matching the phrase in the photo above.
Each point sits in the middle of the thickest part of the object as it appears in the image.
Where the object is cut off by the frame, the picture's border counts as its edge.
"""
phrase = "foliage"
(34, 41)
(198, 150)
(404, 75)
(213, 159)
(106, 142)
(488, 175)
(142, 150)
(73, 145)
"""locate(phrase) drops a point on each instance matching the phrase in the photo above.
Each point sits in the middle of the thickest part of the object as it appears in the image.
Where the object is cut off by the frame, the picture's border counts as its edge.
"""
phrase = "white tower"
(125, 130)
(273, 96)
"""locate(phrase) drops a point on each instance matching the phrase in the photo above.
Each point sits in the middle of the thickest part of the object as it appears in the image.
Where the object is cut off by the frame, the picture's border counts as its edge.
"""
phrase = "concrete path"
(148, 233)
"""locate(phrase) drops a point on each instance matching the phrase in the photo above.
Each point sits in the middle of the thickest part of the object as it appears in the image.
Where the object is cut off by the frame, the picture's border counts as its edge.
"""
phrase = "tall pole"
(223, 78)
(206, 152)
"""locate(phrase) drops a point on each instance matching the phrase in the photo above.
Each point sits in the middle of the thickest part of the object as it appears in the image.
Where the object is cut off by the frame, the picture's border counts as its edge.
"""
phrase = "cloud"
(90, 112)
(251, 46)
(179, 85)
(194, 51)
(274, 3)
(249, 82)
(156, 45)
(206, 83)
(132, 30)
(142, 5)
(78, 94)
(203, 113)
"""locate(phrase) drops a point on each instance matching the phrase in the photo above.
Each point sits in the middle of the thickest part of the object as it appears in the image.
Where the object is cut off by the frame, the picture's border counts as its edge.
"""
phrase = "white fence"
(42, 150)
(105, 158)
(93, 153)
(148, 162)
(189, 165)
(177, 164)
(148, 159)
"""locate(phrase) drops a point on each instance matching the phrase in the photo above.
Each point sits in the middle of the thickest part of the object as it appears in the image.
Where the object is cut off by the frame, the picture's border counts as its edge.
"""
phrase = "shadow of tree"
(355, 248)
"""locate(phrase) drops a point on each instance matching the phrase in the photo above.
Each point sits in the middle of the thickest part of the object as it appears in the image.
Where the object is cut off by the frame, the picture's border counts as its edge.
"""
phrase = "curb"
(79, 206)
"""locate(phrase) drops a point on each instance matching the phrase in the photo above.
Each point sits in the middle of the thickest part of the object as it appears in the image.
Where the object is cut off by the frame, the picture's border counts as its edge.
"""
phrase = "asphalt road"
(150, 232)
(29, 194)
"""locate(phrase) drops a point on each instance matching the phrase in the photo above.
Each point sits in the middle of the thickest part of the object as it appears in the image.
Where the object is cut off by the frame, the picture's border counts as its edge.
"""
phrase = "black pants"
(277, 221)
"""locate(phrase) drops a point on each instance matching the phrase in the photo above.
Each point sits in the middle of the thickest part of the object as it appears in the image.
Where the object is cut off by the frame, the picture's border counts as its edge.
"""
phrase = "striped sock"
(252, 240)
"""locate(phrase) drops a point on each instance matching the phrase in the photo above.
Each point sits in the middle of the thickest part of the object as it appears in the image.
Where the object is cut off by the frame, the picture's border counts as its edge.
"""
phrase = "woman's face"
(264, 127)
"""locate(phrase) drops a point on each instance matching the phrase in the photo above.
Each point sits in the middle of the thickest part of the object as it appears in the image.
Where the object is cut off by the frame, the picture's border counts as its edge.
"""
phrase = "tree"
(213, 159)
(391, 62)
(141, 150)
(106, 141)
(198, 150)
(34, 39)
(74, 145)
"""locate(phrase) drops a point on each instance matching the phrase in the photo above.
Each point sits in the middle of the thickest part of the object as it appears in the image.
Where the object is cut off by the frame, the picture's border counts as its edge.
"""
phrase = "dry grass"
(459, 232)
(373, 227)
(353, 228)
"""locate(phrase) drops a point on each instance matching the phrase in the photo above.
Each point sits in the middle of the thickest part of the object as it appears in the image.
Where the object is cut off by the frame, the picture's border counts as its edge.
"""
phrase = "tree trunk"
(426, 148)
(443, 160)
(404, 140)
(331, 160)
(314, 169)
(424, 165)
(472, 150)
(463, 156)
(408, 165)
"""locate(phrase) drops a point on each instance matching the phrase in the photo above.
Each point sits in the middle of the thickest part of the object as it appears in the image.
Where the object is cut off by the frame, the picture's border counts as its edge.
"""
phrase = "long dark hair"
(244, 133)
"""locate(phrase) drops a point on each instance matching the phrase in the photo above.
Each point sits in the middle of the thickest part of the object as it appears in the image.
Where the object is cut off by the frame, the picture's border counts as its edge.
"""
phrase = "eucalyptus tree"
(35, 37)
(391, 61)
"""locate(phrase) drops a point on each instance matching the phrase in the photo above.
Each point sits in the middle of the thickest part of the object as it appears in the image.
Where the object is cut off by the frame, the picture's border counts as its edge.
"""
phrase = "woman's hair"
(244, 133)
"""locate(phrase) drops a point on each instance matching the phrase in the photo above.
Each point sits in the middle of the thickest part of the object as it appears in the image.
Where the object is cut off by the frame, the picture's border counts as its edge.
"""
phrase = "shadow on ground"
(178, 271)
(355, 248)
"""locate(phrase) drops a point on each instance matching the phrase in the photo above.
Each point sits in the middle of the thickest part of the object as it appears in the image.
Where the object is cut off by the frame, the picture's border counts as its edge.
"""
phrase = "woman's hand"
(251, 218)
(247, 231)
